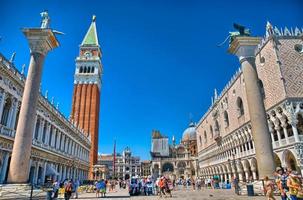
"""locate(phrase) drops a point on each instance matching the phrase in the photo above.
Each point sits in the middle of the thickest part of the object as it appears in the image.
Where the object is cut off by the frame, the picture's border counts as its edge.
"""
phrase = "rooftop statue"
(45, 19)
(240, 31)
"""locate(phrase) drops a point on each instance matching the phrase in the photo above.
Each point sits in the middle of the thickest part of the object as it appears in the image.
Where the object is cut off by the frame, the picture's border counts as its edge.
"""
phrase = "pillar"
(244, 48)
(41, 40)
(295, 131)
(246, 175)
(254, 175)
(286, 135)
(35, 181)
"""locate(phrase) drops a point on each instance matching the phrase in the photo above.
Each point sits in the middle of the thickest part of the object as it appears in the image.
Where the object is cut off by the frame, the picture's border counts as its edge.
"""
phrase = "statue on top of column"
(240, 31)
(45, 19)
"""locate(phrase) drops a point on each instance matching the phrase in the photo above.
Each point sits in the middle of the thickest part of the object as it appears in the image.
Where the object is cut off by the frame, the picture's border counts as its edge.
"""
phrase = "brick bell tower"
(87, 86)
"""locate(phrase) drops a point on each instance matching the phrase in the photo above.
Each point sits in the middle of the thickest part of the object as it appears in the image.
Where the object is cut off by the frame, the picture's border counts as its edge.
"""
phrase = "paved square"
(204, 194)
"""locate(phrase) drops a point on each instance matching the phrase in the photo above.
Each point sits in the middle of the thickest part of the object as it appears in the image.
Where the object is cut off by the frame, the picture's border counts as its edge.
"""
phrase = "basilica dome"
(190, 133)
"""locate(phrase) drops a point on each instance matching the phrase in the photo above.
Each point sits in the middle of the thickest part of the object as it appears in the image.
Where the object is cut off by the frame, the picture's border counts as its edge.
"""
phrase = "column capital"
(244, 47)
(40, 40)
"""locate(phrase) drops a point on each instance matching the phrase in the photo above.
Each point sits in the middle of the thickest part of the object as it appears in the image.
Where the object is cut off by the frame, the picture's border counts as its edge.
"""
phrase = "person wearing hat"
(294, 186)
(281, 181)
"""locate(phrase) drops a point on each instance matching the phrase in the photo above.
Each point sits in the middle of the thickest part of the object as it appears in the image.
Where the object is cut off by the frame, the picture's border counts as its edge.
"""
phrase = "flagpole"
(114, 160)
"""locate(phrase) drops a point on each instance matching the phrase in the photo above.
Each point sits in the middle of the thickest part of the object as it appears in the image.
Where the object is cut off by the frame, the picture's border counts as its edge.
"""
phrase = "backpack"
(69, 187)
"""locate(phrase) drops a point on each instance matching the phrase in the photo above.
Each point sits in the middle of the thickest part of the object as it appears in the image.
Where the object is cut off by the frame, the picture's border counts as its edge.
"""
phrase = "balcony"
(7, 131)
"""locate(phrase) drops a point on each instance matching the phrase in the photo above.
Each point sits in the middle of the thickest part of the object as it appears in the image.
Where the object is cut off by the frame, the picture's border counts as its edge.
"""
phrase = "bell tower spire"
(87, 87)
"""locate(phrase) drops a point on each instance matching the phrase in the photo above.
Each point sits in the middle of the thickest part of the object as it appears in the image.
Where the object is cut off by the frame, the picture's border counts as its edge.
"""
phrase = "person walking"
(68, 190)
(76, 187)
(168, 186)
(236, 185)
(294, 185)
(162, 187)
(269, 188)
(281, 181)
(103, 188)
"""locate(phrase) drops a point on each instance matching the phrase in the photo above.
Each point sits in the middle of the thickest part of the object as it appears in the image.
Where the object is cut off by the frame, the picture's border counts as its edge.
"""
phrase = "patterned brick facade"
(224, 136)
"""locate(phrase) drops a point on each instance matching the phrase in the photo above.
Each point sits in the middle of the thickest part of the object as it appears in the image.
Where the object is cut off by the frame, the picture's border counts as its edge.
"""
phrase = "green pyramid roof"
(91, 37)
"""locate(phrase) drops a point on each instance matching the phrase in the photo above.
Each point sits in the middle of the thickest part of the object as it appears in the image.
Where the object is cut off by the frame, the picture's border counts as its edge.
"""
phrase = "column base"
(17, 191)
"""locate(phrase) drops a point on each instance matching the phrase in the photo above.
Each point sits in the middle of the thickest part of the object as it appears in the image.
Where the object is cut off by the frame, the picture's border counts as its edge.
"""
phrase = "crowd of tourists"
(288, 182)
(65, 190)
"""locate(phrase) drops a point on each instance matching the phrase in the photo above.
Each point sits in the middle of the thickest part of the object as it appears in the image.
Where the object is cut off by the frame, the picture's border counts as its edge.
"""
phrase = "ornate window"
(37, 129)
(85, 70)
(226, 119)
(93, 70)
(55, 137)
(81, 70)
(6, 111)
(211, 131)
(217, 128)
(240, 107)
(299, 48)
(44, 132)
(50, 135)
(200, 139)
(205, 137)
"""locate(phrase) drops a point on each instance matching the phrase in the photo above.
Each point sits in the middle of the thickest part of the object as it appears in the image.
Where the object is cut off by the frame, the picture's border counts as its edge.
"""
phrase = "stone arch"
(156, 170)
(85, 69)
(286, 124)
(277, 160)
(181, 168)
(290, 160)
(181, 149)
(167, 167)
(254, 168)
(81, 69)
(247, 170)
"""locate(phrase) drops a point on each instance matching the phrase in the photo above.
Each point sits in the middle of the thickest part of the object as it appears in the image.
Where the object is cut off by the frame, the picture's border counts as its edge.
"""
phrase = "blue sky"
(160, 58)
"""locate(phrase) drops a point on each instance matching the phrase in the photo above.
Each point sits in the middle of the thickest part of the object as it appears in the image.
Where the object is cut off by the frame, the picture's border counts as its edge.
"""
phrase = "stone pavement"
(204, 194)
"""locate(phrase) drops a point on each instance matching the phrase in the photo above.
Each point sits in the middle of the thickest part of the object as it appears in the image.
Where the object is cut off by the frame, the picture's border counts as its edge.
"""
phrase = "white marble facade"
(59, 147)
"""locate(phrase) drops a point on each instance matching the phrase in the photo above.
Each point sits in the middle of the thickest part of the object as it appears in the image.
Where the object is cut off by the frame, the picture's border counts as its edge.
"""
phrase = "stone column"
(254, 175)
(244, 48)
(36, 173)
(41, 40)
(286, 134)
(295, 131)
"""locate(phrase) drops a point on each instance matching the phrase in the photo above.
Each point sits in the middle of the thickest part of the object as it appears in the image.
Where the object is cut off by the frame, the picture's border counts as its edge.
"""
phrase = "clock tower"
(87, 86)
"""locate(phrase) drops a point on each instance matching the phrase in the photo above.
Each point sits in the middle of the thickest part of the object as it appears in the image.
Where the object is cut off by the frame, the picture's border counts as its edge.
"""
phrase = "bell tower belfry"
(87, 86)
